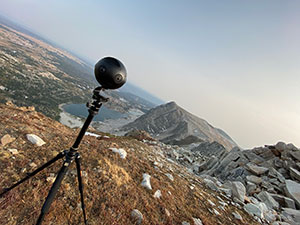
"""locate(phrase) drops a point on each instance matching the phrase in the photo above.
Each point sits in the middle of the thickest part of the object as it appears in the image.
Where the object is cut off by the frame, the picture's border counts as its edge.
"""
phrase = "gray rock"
(284, 201)
(237, 216)
(34, 139)
(296, 155)
(238, 190)
(295, 174)
(257, 170)
(137, 216)
(295, 214)
(292, 147)
(185, 223)
(280, 223)
(266, 198)
(292, 190)
(253, 210)
(270, 216)
(274, 173)
(226, 191)
(197, 221)
(281, 146)
(210, 184)
(254, 179)
(170, 176)
(251, 188)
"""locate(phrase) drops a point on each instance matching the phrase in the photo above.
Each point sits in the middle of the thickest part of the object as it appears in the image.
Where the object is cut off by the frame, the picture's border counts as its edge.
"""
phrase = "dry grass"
(112, 185)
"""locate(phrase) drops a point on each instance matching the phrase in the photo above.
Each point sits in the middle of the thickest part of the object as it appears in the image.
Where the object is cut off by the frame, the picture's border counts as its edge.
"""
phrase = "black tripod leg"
(77, 160)
(53, 190)
(29, 175)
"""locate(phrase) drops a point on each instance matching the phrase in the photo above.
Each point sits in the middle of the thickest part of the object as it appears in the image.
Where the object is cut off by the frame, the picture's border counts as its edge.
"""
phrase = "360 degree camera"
(110, 73)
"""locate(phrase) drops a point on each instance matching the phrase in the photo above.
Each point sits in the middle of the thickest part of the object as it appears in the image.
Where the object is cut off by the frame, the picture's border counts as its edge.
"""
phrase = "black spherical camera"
(110, 73)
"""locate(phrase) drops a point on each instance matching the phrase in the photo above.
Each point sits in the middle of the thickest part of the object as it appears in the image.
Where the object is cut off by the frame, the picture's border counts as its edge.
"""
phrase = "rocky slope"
(126, 181)
(171, 124)
(265, 180)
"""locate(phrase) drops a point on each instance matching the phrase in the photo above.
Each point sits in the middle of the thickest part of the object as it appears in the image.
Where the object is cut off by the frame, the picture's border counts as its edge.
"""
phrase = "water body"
(81, 110)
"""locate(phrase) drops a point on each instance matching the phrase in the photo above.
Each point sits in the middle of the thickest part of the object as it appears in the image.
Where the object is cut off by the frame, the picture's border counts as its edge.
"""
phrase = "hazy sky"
(234, 63)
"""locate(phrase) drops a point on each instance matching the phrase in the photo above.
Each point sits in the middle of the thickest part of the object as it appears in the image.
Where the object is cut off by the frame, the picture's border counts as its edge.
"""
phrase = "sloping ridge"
(170, 124)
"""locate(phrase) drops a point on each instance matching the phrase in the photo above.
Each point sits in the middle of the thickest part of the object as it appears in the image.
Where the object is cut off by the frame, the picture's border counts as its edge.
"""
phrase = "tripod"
(69, 156)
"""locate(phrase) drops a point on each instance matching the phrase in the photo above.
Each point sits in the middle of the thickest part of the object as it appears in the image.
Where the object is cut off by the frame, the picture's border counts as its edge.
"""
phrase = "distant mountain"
(171, 124)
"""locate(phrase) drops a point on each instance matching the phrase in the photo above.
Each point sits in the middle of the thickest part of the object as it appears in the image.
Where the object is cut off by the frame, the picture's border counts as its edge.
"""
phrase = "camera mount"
(111, 74)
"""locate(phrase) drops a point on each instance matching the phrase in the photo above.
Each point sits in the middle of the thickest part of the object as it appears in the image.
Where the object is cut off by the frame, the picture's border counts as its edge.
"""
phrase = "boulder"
(295, 174)
(266, 198)
(284, 201)
(254, 179)
(292, 190)
(274, 173)
(295, 214)
(296, 155)
(292, 147)
(210, 184)
(257, 170)
(253, 210)
(238, 190)
(281, 146)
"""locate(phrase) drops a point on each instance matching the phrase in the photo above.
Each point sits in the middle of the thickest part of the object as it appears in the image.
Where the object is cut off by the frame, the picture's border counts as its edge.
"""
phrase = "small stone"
(146, 181)
(13, 151)
(237, 216)
(50, 179)
(197, 221)
(185, 223)
(211, 203)
(167, 212)
(33, 165)
(216, 212)
(34, 139)
(170, 176)
(6, 139)
(157, 194)
(137, 216)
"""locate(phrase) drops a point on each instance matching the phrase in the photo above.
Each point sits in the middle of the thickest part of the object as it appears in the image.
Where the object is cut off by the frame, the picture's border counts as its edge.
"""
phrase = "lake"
(81, 110)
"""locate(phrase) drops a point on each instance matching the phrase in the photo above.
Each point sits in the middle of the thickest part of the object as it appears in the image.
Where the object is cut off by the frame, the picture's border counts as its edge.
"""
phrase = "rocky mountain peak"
(172, 124)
